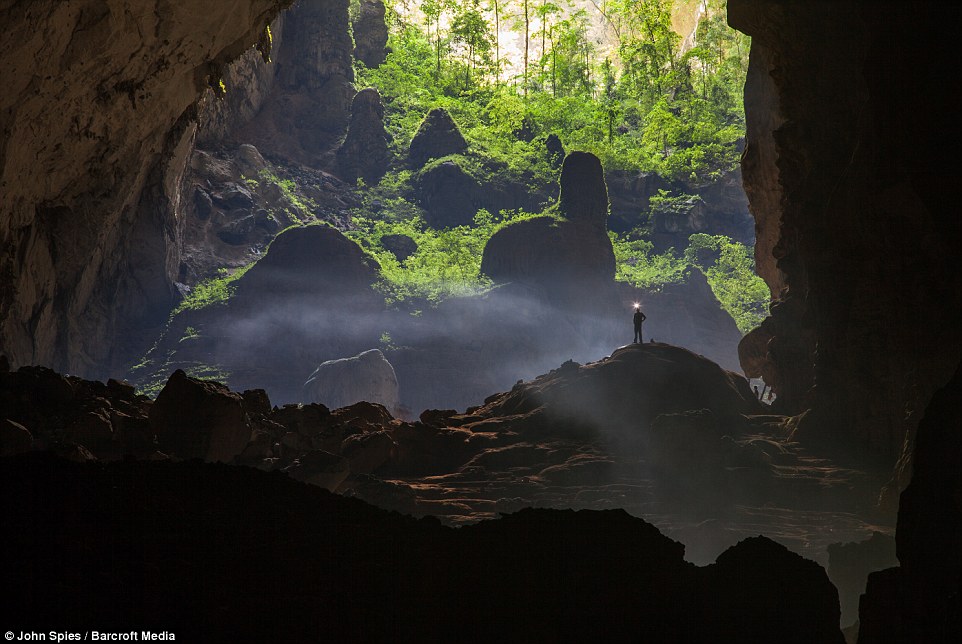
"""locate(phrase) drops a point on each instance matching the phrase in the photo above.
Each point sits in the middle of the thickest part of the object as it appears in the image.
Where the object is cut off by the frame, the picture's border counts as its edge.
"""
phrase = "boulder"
(367, 452)
(316, 260)
(370, 33)
(771, 594)
(320, 468)
(249, 160)
(364, 152)
(438, 136)
(449, 195)
(367, 376)
(199, 419)
(571, 257)
(401, 246)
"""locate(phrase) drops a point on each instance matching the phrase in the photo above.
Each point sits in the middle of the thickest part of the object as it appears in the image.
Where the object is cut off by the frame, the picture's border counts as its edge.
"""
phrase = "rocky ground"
(653, 429)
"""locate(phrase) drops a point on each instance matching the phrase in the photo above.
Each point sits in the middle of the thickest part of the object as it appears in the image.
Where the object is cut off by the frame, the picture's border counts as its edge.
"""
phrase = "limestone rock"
(555, 149)
(401, 246)
(370, 33)
(823, 119)
(320, 468)
(364, 152)
(90, 127)
(449, 195)
(316, 259)
(309, 105)
(249, 160)
(368, 451)
(367, 376)
(437, 136)
(584, 195)
(199, 419)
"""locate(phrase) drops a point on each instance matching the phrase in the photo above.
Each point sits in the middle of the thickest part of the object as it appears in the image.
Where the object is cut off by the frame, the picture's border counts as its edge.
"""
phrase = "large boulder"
(571, 257)
(449, 195)
(771, 594)
(367, 377)
(628, 390)
(438, 136)
(316, 260)
(370, 33)
(364, 153)
(199, 419)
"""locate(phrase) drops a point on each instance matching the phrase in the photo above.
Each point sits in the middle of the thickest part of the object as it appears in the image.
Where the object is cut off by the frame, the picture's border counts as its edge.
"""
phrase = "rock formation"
(199, 419)
(919, 600)
(364, 151)
(367, 376)
(308, 299)
(310, 103)
(570, 258)
(98, 103)
(154, 525)
(438, 136)
(370, 33)
(843, 176)
(451, 196)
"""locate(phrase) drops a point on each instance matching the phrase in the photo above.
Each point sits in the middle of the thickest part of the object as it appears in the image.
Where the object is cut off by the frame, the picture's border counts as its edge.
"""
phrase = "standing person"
(638, 318)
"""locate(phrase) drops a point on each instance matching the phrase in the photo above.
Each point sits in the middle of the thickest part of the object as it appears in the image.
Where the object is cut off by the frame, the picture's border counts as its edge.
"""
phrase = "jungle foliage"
(637, 98)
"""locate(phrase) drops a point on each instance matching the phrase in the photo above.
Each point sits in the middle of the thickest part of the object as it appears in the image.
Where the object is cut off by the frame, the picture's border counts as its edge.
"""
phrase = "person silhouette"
(638, 318)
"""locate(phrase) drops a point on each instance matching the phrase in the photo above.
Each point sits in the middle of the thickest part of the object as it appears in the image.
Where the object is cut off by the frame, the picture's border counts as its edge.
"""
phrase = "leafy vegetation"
(729, 267)
(213, 291)
(642, 102)
(447, 263)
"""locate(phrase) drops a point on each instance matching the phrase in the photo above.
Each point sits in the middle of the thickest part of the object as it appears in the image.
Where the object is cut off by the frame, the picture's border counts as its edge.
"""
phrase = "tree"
(470, 29)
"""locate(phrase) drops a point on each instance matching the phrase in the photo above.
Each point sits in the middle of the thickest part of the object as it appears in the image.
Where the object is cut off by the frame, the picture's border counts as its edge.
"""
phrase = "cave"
(115, 114)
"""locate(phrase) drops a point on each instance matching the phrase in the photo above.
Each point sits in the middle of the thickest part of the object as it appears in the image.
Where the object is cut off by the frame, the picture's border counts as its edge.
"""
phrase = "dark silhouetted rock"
(555, 149)
(571, 258)
(438, 136)
(262, 539)
(772, 594)
(314, 259)
(919, 601)
(584, 195)
(364, 153)
(401, 246)
(367, 376)
(199, 419)
(370, 33)
(449, 195)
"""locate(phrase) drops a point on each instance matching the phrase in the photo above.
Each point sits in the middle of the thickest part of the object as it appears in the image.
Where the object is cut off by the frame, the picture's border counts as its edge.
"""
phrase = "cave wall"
(99, 105)
(850, 161)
